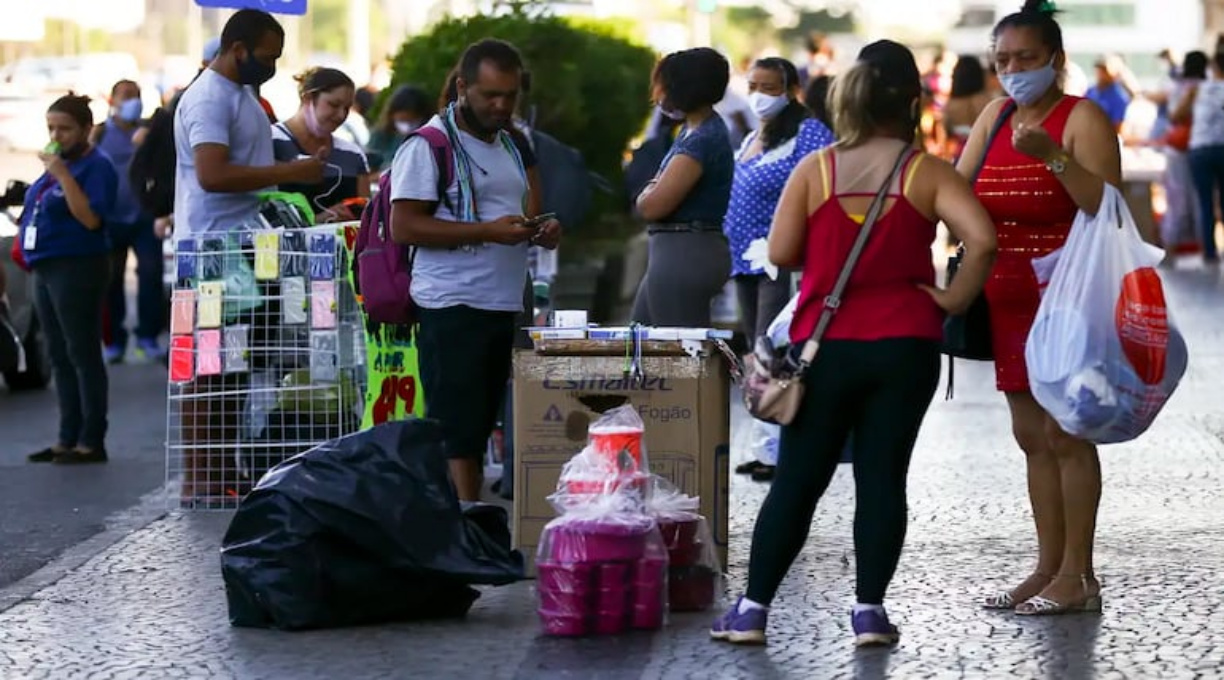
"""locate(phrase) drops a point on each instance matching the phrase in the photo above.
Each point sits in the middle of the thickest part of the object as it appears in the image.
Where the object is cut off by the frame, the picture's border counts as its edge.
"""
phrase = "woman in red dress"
(1051, 160)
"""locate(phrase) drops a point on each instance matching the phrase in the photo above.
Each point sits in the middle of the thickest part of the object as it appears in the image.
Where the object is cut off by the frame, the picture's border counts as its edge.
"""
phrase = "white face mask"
(766, 106)
(404, 127)
(1028, 87)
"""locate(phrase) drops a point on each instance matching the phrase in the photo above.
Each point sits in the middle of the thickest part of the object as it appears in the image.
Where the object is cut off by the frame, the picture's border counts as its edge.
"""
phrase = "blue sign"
(271, 6)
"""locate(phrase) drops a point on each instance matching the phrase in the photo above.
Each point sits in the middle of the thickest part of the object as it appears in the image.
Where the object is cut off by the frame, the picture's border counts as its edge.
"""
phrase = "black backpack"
(153, 164)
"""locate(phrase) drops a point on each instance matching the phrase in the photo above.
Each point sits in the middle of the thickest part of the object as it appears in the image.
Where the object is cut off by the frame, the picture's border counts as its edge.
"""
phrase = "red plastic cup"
(612, 621)
(569, 578)
(648, 616)
(563, 624)
(620, 445)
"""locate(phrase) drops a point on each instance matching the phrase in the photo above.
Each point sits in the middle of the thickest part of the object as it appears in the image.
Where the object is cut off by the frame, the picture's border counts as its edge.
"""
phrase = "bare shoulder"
(994, 108)
(1087, 114)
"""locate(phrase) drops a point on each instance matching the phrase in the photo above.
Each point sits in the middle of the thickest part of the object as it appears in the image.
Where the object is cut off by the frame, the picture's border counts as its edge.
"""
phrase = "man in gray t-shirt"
(471, 256)
(223, 143)
(223, 149)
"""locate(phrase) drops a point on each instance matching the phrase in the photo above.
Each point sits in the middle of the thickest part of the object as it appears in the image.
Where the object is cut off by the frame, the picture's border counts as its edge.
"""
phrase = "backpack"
(154, 164)
(382, 268)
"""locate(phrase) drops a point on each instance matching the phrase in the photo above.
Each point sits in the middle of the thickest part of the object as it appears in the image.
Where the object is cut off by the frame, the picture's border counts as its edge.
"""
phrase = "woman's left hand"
(55, 166)
(1035, 142)
(549, 235)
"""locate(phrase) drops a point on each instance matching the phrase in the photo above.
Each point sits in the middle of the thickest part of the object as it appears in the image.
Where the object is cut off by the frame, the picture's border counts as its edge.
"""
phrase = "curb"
(119, 525)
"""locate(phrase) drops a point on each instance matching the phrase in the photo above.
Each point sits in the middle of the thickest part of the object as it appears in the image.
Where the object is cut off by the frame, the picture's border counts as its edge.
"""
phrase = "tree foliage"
(589, 79)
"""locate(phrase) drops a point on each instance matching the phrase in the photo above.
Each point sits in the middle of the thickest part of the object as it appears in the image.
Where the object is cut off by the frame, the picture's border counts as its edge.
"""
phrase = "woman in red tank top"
(1051, 159)
(878, 363)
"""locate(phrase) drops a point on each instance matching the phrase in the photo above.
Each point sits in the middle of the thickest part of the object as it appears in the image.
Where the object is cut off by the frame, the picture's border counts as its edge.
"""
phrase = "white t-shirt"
(1207, 128)
(216, 110)
(488, 276)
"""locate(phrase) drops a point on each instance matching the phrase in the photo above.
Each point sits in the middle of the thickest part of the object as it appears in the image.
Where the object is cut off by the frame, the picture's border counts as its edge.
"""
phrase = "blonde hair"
(849, 105)
(860, 105)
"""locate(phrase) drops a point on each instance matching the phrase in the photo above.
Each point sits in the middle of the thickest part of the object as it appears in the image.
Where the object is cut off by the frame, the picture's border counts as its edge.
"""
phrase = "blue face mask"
(129, 110)
(1028, 87)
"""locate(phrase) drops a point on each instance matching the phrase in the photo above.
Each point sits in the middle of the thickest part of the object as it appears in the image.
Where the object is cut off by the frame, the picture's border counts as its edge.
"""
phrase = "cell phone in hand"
(539, 220)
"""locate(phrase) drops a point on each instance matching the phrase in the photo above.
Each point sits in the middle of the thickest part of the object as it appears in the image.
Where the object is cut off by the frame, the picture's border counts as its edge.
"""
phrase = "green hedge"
(590, 79)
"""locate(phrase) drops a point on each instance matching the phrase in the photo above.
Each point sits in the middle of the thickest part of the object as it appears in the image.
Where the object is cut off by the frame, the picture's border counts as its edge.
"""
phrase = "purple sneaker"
(741, 629)
(871, 628)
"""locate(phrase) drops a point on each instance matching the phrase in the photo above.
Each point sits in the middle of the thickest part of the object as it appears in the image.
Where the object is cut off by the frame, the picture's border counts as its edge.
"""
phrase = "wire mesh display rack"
(267, 357)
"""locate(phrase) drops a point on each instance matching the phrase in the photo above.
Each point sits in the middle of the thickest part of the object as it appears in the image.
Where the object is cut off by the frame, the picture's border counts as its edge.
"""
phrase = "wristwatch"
(1057, 163)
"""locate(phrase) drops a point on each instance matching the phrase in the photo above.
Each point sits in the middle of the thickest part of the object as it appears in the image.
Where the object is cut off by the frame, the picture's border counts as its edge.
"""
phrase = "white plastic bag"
(764, 438)
(779, 329)
(1103, 354)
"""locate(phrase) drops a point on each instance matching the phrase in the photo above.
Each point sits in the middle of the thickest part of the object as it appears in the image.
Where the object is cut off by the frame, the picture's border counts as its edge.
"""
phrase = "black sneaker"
(749, 467)
(765, 473)
(47, 455)
(78, 457)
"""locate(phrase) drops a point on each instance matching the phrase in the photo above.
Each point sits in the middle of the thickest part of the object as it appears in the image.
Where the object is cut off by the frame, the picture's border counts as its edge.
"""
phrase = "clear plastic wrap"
(694, 580)
(602, 569)
(617, 435)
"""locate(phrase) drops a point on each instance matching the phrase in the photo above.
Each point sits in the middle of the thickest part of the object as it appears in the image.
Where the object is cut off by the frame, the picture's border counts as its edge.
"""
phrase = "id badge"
(30, 239)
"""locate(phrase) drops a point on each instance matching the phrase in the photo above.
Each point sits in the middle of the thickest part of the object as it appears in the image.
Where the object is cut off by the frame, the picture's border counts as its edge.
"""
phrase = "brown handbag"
(773, 385)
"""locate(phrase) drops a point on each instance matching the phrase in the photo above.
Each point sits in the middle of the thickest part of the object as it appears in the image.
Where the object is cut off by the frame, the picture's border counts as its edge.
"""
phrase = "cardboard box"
(684, 402)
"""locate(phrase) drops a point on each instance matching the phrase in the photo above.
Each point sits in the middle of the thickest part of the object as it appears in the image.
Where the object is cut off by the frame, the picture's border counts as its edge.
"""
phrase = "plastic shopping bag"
(1104, 355)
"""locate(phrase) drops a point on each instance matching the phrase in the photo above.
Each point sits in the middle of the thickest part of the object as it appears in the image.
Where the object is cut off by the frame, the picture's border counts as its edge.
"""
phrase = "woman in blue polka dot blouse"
(763, 164)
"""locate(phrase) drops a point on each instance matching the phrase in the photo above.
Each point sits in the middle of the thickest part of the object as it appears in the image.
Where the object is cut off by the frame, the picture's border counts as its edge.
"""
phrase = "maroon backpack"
(382, 268)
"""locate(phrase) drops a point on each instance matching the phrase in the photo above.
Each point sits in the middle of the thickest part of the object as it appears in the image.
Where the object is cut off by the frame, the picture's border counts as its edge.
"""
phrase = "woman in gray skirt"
(685, 203)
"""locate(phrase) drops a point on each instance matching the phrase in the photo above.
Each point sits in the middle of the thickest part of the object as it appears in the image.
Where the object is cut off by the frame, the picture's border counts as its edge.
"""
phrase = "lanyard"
(38, 199)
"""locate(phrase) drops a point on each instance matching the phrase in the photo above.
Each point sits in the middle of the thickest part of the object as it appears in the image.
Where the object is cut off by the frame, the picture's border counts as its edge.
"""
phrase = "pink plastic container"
(598, 542)
(566, 577)
(648, 616)
(686, 555)
(650, 574)
(612, 621)
(562, 624)
(614, 575)
(562, 602)
(649, 594)
(613, 599)
(679, 530)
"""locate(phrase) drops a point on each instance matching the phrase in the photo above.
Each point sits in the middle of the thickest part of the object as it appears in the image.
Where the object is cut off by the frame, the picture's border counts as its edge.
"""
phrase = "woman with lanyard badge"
(62, 239)
(327, 95)
(685, 204)
(765, 162)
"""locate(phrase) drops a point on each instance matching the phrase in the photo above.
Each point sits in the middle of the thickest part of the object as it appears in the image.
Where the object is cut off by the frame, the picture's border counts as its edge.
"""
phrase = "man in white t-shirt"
(471, 257)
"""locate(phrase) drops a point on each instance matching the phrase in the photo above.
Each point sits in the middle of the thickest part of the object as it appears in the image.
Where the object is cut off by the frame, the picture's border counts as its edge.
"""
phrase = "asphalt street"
(46, 509)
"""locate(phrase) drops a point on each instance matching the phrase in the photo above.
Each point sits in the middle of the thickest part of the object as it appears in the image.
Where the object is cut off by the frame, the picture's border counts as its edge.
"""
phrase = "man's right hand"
(308, 170)
(508, 231)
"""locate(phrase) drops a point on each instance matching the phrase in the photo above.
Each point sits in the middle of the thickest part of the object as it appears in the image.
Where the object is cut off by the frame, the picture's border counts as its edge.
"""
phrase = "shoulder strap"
(289, 133)
(1008, 107)
(444, 157)
(833, 300)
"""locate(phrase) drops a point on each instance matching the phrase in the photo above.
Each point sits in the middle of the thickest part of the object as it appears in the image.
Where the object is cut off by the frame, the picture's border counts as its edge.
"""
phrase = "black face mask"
(473, 123)
(74, 152)
(253, 72)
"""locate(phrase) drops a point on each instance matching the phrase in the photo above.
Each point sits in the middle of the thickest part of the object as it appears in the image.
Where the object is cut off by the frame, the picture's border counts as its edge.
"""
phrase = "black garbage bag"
(363, 529)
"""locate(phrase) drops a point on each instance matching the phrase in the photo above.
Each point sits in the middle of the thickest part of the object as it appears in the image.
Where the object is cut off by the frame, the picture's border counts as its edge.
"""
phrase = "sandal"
(1007, 599)
(1044, 606)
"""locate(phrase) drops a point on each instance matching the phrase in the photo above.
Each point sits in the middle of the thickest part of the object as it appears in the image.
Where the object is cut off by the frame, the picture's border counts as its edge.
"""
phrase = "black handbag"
(967, 336)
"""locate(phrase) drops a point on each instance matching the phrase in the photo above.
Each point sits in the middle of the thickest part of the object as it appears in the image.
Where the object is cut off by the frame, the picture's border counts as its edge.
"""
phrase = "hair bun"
(1046, 7)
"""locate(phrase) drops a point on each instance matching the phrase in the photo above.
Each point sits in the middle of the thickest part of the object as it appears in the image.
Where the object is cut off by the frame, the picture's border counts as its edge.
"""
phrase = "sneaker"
(871, 628)
(113, 354)
(148, 349)
(741, 629)
(80, 457)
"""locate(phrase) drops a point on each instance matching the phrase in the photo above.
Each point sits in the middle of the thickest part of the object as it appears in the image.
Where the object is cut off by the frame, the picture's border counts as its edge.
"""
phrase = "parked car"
(19, 308)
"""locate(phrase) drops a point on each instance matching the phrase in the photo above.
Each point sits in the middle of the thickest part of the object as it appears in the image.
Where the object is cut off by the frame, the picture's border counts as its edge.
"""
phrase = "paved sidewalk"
(152, 605)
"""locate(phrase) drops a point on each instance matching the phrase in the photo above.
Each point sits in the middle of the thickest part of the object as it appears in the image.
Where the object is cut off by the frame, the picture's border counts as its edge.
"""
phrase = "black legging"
(880, 391)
